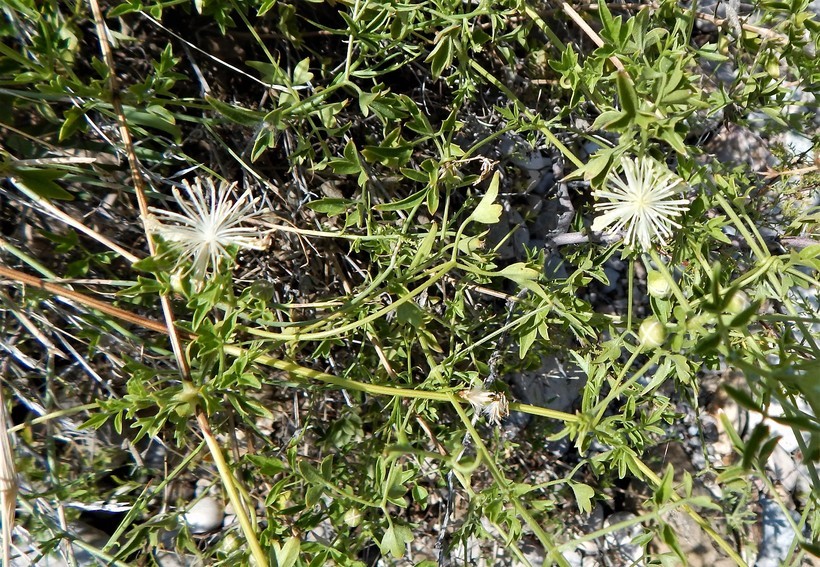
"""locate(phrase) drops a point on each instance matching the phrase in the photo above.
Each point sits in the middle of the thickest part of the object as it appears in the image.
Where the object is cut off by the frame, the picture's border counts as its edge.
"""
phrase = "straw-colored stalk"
(8, 482)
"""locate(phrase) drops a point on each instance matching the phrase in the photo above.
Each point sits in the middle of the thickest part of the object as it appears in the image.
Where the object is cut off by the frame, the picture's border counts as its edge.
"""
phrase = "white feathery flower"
(208, 226)
(492, 404)
(643, 203)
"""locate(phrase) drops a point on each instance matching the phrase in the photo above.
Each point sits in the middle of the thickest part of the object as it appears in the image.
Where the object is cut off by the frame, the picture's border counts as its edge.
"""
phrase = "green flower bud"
(186, 400)
(739, 303)
(353, 517)
(651, 333)
(229, 544)
(657, 285)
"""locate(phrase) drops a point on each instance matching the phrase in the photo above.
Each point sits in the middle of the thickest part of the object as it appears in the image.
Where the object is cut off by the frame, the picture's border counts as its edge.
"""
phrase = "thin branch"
(579, 21)
(136, 177)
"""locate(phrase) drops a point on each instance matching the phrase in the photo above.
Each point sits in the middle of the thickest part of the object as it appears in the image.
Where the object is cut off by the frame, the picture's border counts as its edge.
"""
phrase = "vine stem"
(226, 474)
(503, 484)
(236, 350)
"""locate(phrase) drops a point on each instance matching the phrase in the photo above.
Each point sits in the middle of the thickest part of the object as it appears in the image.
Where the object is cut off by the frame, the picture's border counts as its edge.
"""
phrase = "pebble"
(620, 540)
(205, 515)
(777, 535)
(783, 468)
(169, 559)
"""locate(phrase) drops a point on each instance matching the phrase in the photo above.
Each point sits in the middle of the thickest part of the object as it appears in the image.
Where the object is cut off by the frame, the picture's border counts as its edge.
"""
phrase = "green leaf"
(267, 466)
(813, 548)
(670, 539)
(152, 120)
(731, 432)
(598, 166)
(768, 448)
(743, 398)
(425, 247)
(708, 344)
(331, 206)
(487, 211)
(759, 434)
(583, 496)
(704, 501)
(404, 204)
(349, 164)
(674, 139)
(395, 539)
(627, 95)
(265, 6)
(234, 113)
(269, 72)
(390, 157)
(73, 122)
(526, 340)
(664, 490)
(742, 319)
(605, 15)
(301, 73)
(609, 119)
(266, 139)
(310, 473)
(313, 495)
(287, 556)
(41, 182)
(442, 55)
(96, 421)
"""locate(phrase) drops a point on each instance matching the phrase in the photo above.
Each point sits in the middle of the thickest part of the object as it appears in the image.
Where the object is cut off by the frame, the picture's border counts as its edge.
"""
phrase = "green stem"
(630, 290)
(297, 336)
(378, 390)
(28, 260)
(761, 253)
(544, 412)
(503, 484)
(229, 482)
(53, 415)
(705, 526)
(676, 291)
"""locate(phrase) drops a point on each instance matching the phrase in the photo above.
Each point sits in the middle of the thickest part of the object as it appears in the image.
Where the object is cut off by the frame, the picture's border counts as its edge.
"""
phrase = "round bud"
(353, 517)
(657, 285)
(739, 303)
(651, 333)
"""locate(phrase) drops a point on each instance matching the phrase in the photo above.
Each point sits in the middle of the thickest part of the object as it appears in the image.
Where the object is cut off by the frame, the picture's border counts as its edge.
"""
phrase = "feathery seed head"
(494, 405)
(208, 226)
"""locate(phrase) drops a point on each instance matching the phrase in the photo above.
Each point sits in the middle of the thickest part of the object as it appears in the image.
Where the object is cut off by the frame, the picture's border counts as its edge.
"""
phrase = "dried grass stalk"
(8, 482)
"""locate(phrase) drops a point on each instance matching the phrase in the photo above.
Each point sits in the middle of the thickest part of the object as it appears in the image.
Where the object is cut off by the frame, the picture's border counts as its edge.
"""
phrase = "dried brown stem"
(136, 177)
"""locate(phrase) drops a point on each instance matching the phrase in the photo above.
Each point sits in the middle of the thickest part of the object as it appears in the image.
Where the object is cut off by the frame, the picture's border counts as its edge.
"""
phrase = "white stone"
(620, 540)
(777, 535)
(205, 515)
(783, 468)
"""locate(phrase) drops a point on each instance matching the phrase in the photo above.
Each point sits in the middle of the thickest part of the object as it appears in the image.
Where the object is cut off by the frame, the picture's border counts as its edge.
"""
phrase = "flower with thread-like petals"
(494, 405)
(208, 226)
(642, 203)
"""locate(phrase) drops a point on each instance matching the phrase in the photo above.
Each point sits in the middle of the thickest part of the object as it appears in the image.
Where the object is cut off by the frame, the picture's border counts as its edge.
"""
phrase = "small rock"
(169, 559)
(573, 558)
(783, 468)
(777, 535)
(620, 541)
(737, 145)
(205, 515)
